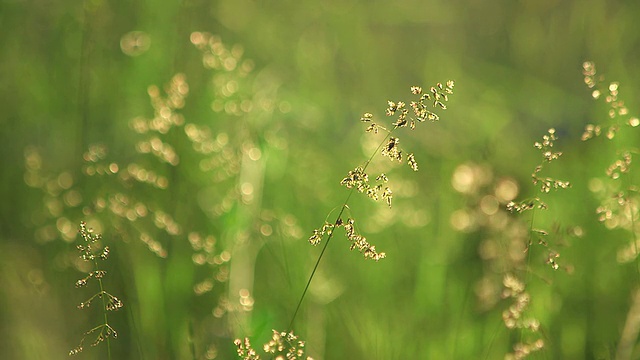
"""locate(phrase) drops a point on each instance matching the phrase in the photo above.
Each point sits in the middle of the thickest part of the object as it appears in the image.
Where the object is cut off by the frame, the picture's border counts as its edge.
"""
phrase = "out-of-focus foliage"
(206, 140)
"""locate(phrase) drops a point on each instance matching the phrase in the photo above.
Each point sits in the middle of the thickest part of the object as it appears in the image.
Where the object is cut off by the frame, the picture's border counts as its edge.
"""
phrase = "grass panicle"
(618, 191)
(283, 345)
(94, 253)
(530, 339)
(546, 184)
(358, 178)
(618, 113)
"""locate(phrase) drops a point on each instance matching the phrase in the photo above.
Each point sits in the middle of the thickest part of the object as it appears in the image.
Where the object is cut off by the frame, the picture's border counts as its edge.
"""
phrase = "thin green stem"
(191, 341)
(493, 339)
(315, 267)
(633, 224)
(366, 164)
(528, 266)
(458, 326)
(104, 309)
(84, 79)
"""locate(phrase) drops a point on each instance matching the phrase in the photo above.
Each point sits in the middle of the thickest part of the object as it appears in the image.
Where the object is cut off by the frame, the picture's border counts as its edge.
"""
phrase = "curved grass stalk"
(358, 178)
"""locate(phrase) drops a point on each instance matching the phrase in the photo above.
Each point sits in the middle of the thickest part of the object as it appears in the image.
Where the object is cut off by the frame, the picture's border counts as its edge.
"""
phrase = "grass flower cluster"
(94, 252)
(283, 345)
(515, 287)
(618, 192)
(546, 184)
(389, 147)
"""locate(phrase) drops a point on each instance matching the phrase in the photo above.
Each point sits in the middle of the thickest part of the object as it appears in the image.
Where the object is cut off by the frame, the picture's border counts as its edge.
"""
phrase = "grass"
(530, 340)
(206, 197)
(539, 254)
(92, 251)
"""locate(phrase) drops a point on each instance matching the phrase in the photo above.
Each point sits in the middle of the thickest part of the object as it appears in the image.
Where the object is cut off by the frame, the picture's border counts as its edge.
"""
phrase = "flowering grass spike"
(358, 178)
(91, 250)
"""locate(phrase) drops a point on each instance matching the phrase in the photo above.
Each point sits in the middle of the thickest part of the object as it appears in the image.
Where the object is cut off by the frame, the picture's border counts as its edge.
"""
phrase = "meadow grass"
(618, 190)
(92, 251)
(357, 180)
(529, 339)
(194, 194)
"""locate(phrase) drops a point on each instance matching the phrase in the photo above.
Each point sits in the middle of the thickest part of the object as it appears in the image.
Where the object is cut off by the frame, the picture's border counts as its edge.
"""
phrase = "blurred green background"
(225, 172)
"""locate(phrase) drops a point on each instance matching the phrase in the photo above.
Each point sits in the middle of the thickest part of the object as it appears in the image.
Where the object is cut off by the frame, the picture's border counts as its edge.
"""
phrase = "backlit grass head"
(618, 193)
(283, 345)
(358, 179)
(94, 252)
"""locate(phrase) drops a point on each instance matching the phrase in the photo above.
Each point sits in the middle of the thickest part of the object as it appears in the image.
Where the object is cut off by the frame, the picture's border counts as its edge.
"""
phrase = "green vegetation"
(92, 251)
(179, 157)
